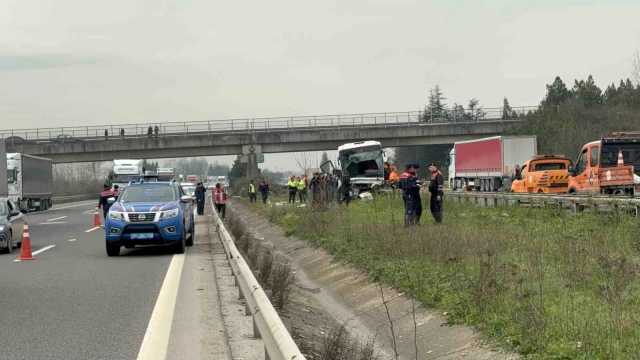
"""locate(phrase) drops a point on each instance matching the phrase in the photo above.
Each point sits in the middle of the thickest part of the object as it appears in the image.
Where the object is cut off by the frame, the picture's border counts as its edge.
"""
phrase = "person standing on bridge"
(122, 132)
(103, 200)
(156, 130)
(436, 188)
(149, 131)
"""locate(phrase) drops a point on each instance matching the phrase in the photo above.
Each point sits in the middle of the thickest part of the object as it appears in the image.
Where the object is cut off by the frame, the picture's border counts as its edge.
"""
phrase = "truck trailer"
(30, 180)
(483, 163)
(4, 188)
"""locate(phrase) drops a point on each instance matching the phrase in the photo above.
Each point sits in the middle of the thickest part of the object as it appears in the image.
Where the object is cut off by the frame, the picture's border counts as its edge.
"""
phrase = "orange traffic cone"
(25, 251)
(96, 218)
(620, 159)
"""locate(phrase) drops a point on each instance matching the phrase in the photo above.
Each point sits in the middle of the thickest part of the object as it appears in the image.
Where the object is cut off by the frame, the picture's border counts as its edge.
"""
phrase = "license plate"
(142, 236)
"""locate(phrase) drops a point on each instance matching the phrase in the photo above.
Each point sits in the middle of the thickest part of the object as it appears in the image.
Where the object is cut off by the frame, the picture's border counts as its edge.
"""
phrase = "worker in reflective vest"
(252, 192)
(220, 198)
(302, 189)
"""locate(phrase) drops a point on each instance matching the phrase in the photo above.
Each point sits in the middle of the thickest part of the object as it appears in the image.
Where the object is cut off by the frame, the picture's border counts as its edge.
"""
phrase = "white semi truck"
(30, 181)
(123, 169)
(4, 189)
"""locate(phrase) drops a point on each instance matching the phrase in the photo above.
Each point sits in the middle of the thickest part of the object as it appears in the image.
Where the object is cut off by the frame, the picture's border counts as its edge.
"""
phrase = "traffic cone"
(25, 251)
(620, 159)
(96, 218)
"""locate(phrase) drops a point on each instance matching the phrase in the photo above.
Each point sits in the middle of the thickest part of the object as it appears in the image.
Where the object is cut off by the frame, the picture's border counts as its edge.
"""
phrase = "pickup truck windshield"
(151, 193)
(550, 166)
(3, 209)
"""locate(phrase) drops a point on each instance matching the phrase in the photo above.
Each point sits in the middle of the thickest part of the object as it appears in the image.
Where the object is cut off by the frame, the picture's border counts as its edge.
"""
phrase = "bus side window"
(581, 164)
(594, 156)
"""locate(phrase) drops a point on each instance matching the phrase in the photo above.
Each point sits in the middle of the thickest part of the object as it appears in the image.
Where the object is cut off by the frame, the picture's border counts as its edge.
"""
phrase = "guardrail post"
(288, 324)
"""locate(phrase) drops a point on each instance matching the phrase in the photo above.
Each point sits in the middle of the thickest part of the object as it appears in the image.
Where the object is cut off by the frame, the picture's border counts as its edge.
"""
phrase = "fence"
(254, 125)
(278, 343)
(576, 203)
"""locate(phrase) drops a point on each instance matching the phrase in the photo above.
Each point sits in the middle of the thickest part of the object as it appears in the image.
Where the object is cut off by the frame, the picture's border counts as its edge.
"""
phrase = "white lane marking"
(38, 252)
(90, 230)
(156, 338)
(72, 239)
(89, 212)
(70, 206)
(58, 218)
(52, 222)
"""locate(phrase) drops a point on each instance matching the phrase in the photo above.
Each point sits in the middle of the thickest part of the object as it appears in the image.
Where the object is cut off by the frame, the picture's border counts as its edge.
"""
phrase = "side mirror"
(14, 213)
(571, 170)
(111, 200)
(186, 199)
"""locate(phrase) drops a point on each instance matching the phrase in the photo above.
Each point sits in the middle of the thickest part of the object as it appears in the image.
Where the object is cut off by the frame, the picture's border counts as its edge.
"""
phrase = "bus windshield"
(363, 161)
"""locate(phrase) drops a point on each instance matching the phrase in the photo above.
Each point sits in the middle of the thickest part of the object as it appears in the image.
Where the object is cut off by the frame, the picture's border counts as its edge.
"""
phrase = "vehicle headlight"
(1, 227)
(169, 214)
(116, 215)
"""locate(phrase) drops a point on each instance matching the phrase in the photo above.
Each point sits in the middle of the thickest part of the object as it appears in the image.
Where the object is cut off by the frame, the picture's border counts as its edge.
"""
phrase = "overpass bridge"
(275, 135)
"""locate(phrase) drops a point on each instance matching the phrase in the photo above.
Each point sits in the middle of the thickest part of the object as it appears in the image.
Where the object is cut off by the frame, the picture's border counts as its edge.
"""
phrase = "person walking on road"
(264, 190)
(436, 188)
(252, 192)
(103, 200)
(411, 195)
(200, 191)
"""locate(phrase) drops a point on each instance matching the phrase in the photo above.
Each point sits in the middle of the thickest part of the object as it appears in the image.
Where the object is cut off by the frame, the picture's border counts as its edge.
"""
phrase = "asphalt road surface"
(74, 302)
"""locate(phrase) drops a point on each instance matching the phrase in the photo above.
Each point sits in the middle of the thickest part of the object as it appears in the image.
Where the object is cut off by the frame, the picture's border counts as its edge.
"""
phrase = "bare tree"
(304, 160)
(635, 71)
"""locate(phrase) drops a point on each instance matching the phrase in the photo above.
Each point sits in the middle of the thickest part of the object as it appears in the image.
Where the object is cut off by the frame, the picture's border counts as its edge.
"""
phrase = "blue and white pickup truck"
(150, 213)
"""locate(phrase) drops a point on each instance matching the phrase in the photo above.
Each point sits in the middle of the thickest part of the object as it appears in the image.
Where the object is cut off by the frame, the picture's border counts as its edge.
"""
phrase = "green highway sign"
(261, 159)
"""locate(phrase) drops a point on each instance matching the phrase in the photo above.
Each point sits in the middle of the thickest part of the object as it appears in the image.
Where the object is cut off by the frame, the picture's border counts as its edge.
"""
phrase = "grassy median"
(546, 283)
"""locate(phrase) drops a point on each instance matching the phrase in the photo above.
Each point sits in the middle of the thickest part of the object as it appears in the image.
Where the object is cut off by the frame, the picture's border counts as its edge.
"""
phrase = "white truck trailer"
(30, 180)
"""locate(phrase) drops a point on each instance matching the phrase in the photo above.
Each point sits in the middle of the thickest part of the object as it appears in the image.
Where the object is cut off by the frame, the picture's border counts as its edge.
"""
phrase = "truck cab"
(607, 166)
(546, 174)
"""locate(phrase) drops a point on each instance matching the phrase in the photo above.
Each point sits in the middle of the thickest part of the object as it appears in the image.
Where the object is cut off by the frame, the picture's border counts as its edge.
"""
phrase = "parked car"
(11, 223)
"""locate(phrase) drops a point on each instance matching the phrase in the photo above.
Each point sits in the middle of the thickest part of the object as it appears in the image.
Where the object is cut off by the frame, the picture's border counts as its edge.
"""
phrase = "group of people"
(263, 188)
(150, 132)
(410, 185)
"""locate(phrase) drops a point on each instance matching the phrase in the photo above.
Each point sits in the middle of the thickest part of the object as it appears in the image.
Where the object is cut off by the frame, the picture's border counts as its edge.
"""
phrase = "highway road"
(74, 302)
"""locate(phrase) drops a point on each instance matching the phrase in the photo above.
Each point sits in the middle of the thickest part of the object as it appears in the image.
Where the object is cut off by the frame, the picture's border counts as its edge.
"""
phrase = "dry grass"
(546, 283)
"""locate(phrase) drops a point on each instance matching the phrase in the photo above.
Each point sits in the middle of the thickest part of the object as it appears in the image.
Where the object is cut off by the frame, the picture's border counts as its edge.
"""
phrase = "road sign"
(261, 159)
(251, 149)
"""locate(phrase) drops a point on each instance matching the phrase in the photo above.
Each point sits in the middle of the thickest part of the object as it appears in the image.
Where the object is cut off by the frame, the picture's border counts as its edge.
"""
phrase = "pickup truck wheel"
(112, 250)
(180, 246)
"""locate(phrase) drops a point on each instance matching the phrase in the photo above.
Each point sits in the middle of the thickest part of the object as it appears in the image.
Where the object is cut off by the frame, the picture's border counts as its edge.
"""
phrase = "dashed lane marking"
(58, 218)
(90, 230)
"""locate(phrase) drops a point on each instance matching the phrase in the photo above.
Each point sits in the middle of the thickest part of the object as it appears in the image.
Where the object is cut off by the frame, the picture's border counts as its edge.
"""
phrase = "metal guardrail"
(72, 198)
(254, 125)
(278, 343)
(577, 203)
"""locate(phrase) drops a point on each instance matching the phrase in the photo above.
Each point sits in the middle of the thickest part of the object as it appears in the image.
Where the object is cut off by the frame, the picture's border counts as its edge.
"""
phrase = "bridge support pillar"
(252, 166)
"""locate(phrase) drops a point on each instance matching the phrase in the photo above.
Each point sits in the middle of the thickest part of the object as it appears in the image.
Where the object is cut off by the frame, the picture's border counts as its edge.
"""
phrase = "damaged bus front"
(364, 162)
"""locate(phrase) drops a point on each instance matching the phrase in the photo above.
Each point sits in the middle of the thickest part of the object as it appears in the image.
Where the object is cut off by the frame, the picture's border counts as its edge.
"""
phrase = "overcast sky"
(79, 62)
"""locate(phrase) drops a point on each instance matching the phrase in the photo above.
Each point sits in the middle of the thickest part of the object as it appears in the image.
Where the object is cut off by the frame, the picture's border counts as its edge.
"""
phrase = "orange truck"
(608, 166)
(548, 174)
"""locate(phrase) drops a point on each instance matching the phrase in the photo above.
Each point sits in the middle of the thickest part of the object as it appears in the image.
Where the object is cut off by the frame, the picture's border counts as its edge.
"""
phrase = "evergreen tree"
(436, 110)
(587, 92)
(507, 111)
(238, 170)
(557, 93)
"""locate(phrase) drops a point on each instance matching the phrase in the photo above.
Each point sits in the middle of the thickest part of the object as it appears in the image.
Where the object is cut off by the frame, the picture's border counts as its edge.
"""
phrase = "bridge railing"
(253, 125)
